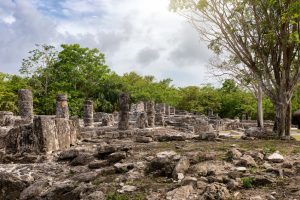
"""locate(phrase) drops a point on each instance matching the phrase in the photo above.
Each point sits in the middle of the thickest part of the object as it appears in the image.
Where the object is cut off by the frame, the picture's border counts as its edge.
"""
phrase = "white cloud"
(139, 35)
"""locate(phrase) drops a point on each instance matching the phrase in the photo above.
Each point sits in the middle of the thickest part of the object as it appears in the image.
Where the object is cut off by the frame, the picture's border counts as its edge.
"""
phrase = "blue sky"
(135, 35)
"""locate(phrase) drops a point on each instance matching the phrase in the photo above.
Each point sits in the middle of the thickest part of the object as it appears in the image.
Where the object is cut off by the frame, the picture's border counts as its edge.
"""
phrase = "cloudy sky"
(135, 35)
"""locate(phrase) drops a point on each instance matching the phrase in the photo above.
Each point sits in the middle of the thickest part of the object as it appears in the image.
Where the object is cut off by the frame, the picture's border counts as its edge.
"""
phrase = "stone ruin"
(45, 134)
(37, 134)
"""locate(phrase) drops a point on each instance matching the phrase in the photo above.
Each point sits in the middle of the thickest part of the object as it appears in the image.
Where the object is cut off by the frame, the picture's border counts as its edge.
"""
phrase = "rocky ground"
(139, 168)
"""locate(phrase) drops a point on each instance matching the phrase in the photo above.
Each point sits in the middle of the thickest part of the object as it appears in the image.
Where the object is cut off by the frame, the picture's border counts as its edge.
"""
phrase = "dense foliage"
(82, 73)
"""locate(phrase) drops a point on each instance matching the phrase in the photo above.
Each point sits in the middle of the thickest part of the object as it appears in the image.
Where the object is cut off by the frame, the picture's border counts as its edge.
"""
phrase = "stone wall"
(45, 135)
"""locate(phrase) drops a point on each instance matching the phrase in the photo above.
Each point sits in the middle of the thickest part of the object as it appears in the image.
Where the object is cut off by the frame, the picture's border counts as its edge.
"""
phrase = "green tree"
(263, 35)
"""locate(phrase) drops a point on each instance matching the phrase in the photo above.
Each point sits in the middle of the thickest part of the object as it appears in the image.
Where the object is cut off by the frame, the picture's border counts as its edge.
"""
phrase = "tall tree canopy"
(262, 34)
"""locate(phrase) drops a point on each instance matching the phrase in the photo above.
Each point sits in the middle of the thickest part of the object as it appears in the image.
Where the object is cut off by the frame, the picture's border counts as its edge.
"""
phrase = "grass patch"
(297, 137)
(247, 182)
(270, 148)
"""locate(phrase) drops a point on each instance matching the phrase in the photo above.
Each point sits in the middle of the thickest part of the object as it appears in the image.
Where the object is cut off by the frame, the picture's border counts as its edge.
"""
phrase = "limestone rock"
(81, 159)
(98, 164)
(33, 191)
(234, 154)
(181, 167)
(123, 167)
(68, 154)
(11, 186)
(116, 157)
(97, 195)
(143, 139)
(276, 158)
(181, 193)
(216, 191)
(247, 160)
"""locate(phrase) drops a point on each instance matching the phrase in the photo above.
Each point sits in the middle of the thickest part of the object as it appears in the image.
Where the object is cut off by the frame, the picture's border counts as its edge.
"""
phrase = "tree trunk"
(260, 117)
(288, 120)
(282, 121)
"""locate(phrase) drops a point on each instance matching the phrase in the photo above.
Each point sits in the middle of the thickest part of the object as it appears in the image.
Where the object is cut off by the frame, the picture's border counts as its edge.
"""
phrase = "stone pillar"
(88, 111)
(62, 108)
(25, 105)
(124, 112)
(151, 113)
(167, 110)
(172, 111)
(142, 120)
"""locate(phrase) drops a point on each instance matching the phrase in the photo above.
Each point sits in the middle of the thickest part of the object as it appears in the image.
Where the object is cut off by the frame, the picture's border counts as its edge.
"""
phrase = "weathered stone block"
(21, 139)
(63, 133)
(44, 128)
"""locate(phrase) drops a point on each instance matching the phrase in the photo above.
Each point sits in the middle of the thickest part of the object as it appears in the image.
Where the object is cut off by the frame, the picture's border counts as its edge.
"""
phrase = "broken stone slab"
(234, 154)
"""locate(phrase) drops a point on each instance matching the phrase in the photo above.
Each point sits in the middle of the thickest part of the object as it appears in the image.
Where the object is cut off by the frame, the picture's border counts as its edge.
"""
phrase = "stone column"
(25, 105)
(151, 113)
(62, 108)
(167, 110)
(124, 112)
(142, 120)
(88, 111)
(172, 111)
